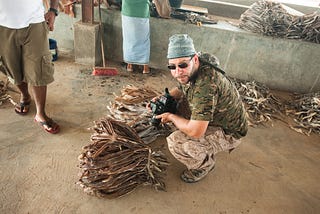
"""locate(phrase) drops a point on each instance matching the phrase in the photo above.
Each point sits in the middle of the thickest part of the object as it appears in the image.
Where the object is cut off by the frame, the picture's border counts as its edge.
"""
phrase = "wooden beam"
(87, 11)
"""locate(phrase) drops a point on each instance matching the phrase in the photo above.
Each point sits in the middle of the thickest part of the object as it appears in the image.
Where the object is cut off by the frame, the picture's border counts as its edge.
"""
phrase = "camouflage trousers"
(200, 153)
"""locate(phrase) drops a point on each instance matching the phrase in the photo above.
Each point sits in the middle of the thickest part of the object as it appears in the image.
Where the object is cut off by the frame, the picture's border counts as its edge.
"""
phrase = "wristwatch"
(53, 10)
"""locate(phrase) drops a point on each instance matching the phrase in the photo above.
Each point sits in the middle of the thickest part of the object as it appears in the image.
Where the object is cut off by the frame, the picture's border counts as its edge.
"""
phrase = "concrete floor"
(275, 170)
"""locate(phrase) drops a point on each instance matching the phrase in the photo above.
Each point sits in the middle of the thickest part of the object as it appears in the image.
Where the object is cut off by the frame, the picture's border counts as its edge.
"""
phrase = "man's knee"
(174, 138)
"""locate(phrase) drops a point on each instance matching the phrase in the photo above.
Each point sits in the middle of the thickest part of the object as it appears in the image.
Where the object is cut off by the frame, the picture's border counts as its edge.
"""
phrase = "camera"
(166, 103)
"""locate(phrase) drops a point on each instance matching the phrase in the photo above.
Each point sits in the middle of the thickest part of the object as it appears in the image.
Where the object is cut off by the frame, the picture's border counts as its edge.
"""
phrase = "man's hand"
(165, 117)
(50, 18)
(148, 106)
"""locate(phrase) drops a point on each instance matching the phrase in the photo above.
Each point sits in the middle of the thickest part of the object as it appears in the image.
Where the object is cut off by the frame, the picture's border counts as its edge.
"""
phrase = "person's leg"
(39, 71)
(25, 99)
(146, 69)
(40, 95)
(129, 67)
(25, 95)
(11, 66)
(198, 155)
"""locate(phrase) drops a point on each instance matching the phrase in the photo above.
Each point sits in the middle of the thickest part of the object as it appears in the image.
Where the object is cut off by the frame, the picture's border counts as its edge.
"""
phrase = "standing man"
(218, 117)
(24, 53)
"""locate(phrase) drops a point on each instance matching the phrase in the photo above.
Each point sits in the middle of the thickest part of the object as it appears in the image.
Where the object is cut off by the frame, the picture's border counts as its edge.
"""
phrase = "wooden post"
(87, 11)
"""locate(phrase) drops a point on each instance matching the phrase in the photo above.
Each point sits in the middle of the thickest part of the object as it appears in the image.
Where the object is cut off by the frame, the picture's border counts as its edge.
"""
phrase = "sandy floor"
(275, 170)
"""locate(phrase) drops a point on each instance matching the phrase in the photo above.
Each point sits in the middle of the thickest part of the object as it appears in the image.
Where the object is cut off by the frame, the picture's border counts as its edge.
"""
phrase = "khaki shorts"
(25, 55)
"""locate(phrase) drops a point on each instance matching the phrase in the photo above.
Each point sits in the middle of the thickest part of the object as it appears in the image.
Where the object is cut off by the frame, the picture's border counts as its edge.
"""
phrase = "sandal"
(49, 125)
(22, 108)
(194, 175)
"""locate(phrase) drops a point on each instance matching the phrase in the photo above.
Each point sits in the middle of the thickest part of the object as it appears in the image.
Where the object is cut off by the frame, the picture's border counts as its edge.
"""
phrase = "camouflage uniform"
(211, 97)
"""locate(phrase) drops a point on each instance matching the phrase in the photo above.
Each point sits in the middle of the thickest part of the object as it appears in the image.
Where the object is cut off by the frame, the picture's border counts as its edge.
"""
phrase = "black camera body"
(166, 103)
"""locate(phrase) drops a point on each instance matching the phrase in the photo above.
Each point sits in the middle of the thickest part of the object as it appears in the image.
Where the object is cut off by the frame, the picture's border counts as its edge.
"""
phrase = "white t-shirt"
(18, 14)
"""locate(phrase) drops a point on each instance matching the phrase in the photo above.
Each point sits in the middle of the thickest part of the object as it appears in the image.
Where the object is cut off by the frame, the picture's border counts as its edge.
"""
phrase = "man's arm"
(192, 128)
(54, 4)
(50, 16)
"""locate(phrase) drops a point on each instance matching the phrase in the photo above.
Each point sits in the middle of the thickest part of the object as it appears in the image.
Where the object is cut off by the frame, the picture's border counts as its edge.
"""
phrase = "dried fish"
(261, 105)
(130, 107)
(306, 27)
(305, 110)
(272, 19)
(267, 18)
(117, 161)
(132, 95)
(4, 96)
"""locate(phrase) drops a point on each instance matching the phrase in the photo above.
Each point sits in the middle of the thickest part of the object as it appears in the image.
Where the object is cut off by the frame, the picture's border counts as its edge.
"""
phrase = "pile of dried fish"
(305, 110)
(3, 92)
(130, 107)
(267, 18)
(272, 19)
(306, 27)
(117, 161)
(261, 105)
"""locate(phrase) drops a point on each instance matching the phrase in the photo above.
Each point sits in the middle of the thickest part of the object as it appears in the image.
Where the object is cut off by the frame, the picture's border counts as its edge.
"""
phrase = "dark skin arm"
(50, 16)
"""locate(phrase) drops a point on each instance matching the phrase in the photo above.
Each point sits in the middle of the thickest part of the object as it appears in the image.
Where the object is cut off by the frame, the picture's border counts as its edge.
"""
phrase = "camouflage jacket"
(213, 97)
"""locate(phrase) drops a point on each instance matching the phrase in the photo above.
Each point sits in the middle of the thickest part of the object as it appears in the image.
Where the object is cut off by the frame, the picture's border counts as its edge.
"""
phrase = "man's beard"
(193, 76)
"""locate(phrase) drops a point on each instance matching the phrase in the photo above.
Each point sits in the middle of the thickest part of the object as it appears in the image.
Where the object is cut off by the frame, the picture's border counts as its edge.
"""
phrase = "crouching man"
(217, 118)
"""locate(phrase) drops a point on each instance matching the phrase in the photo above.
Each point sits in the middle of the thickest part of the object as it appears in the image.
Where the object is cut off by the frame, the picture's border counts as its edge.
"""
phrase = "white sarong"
(136, 40)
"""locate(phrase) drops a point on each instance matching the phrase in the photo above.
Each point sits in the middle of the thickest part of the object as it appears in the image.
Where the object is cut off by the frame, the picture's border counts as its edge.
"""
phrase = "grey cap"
(180, 45)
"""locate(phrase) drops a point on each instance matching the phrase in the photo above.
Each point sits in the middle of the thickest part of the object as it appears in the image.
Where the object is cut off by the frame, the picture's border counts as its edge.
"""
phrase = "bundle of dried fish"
(305, 27)
(149, 133)
(117, 161)
(267, 18)
(130, 107)
(132, 95)
(128, 113)
(305, 110)
(261, 105)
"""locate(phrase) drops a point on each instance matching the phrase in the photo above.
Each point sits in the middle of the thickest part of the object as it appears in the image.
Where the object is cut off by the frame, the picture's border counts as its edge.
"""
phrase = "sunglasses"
(181, 65)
